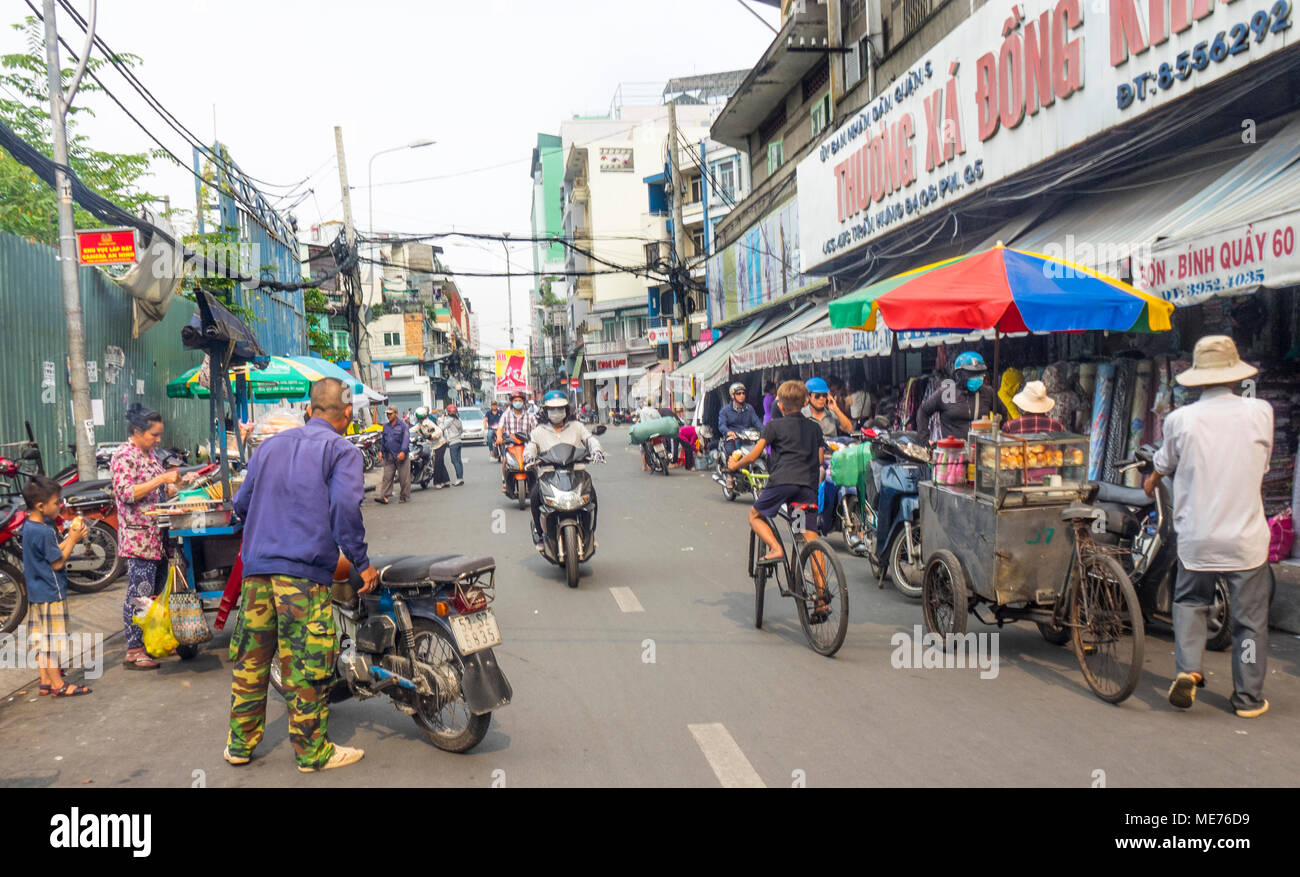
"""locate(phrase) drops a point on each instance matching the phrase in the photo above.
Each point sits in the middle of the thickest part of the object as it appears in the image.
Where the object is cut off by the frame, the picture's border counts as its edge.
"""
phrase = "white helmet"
(735, 388)
(421, 413)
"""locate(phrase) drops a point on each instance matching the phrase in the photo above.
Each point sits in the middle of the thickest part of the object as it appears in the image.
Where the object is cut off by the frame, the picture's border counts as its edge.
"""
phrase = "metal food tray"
(192, 516)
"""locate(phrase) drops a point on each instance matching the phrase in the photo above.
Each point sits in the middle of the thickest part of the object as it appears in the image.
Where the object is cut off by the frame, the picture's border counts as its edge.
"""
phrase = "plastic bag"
(156, 622)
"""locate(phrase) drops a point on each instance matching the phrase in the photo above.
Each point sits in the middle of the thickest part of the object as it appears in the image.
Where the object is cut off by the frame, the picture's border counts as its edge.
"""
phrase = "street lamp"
(370, 189)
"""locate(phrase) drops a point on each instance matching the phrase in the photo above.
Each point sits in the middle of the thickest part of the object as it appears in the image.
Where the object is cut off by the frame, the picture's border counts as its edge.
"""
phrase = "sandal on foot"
(45, 689)
(236, 759)
(71, 690)
(769, 560)
(140, 661)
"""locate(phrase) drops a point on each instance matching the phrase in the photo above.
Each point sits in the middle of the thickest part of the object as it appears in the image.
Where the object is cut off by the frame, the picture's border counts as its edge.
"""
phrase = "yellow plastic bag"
(157, 622)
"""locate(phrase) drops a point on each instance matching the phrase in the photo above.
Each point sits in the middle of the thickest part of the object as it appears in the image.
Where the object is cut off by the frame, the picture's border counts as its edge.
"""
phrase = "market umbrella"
(1004, 289)
(285, 377)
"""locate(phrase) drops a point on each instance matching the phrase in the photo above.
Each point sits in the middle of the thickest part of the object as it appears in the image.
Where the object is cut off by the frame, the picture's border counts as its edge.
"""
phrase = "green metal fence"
(34, 355)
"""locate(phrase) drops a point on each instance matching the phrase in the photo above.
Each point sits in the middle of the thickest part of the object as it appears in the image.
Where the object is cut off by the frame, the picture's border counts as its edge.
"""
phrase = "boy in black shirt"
(798, 451)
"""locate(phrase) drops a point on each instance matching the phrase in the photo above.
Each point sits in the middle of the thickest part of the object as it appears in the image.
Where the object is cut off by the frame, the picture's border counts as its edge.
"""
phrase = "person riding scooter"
(514, 421)
(732, 420)
(559, 428)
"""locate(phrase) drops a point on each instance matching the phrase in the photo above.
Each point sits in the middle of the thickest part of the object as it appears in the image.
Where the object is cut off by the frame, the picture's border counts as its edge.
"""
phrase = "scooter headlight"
(566, 500)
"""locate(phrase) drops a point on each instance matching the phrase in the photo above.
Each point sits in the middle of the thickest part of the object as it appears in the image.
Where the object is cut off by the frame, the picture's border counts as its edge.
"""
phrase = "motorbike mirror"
(599, 430)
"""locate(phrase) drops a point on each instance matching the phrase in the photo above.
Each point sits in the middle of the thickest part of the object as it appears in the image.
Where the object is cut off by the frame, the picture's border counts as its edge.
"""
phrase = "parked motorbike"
(95, 562)
(568, 508)
(853, 517)
(424, 637)
(13, 587)
(518, 478)
(888, 508)
(655, 449)
(745, 441)
(368, 444)
(1143, 527)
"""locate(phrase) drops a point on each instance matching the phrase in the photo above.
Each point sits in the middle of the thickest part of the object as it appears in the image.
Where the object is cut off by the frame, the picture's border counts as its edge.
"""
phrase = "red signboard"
(575, 382)
(106, 246)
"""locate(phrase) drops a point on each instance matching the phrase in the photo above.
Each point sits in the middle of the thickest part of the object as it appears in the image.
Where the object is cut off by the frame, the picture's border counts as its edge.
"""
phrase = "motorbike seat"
(1129, 496)
(80, 487)
(413, 570)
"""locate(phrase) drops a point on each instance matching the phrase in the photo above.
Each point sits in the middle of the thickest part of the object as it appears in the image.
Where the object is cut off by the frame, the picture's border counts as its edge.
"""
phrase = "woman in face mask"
(559, 427)
(965, 398)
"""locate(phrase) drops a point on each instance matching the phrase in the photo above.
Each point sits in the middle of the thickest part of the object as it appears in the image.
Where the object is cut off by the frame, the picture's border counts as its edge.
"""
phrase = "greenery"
(27, 205)
(318, 342)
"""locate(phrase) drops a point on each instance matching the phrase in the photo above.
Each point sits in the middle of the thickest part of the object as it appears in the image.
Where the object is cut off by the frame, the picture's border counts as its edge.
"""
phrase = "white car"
(475, 425)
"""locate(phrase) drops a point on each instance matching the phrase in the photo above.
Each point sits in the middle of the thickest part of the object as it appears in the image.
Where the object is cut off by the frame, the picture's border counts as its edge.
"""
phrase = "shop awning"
(767, 349)
(713, 365)
(623, 371)
(576, 368)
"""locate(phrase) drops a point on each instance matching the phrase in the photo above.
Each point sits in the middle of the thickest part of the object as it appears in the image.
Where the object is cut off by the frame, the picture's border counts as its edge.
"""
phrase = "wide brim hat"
(1215, 361)
(1034, 399)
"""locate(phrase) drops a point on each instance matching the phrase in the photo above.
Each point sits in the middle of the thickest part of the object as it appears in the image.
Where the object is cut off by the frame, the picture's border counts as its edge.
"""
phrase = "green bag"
(848, 464)
(640, 432)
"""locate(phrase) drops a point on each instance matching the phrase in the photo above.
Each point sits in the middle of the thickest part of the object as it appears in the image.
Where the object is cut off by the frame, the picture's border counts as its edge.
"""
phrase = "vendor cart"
(1016, 545)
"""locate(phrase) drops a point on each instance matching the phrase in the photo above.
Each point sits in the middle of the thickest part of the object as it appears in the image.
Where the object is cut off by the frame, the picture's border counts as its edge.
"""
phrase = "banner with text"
(1232, 261)
(1011, 86)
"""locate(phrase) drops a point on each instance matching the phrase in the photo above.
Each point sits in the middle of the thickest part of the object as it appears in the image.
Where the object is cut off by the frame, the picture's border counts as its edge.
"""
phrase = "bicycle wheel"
(820, 580)
(1106, 626)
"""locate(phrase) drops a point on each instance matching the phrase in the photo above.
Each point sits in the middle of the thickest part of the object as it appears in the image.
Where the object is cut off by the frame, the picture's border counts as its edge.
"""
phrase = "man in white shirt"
(1217, 450)
(647, 412)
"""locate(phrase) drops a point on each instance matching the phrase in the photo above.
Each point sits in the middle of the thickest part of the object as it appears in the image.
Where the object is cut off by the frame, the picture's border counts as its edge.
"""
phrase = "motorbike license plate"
(476, 632)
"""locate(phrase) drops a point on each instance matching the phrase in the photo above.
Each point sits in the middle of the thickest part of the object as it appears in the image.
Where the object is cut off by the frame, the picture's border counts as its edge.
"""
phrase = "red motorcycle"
(13, 588)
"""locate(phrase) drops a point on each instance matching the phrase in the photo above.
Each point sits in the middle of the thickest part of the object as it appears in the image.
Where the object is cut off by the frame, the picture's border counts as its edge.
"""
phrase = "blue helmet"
(555, 399)
(817, 385)
(969, 361)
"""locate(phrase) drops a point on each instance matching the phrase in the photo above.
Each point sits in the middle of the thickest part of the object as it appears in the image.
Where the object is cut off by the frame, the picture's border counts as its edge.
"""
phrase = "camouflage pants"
(290, 620)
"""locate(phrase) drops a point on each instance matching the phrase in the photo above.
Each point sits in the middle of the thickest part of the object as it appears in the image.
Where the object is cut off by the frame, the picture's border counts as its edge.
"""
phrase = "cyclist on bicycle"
(798, 452)
(733, 418)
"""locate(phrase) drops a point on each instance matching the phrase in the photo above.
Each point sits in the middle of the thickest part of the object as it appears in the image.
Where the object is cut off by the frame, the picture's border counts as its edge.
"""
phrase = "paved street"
(721, 702)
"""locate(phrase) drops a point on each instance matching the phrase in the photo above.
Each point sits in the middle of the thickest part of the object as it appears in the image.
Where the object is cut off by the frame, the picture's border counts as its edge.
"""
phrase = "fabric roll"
(1121, 412)
(1137, 420)
(1104, 382)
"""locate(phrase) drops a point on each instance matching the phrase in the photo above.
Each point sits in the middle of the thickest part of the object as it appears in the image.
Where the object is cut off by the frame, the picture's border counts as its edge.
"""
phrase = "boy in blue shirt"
(44, 557)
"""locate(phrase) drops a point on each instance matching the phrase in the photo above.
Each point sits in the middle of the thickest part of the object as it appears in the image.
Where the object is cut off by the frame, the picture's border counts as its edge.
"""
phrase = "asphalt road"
(683, 690)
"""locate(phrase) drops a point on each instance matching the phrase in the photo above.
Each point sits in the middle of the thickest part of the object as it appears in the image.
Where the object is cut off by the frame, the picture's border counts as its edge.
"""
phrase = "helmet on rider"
(556, 404)
(735, 388)
(421, 413)
(970, 369)
(817, 385)
(517, 400)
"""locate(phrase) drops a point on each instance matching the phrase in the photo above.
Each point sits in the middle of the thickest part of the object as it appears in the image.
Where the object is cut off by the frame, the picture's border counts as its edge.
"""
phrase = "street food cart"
(1014, 544)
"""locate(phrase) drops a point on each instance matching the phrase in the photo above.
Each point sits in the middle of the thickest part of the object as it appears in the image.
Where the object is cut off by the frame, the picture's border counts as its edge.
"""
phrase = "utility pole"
(679, 233)
(359, 330)
(84, 426)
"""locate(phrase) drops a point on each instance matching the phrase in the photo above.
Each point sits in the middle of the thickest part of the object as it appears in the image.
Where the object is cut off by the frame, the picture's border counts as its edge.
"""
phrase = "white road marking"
(729, 764)
(626, 600)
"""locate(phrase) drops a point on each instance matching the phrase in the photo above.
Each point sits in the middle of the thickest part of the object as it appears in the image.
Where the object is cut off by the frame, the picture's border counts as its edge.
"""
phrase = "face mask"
(555, 415)
(974, 384)
(518, 406)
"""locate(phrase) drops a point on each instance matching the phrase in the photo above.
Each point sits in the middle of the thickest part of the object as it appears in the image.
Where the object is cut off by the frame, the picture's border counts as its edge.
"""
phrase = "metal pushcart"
(1016, 545)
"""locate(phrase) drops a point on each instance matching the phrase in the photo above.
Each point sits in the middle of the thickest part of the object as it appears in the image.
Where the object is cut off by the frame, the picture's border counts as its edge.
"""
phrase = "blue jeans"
(454, 453)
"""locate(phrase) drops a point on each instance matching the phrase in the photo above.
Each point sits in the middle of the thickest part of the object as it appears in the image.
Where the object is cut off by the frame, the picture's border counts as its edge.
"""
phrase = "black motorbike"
(421, 463)
(890, 509)
(568, 509)
(424, 637)
(1143, 527)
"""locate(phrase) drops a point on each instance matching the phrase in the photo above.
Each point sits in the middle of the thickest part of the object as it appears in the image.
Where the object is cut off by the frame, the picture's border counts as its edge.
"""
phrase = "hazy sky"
(481, 77)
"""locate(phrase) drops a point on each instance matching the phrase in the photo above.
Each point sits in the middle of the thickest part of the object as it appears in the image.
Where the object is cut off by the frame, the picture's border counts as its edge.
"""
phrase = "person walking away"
(960, 402)
(1217, 451)
(645, 414)
(769, 401)
(798, 455)
(452, 430)
(560, 428)
(492, 418)
(139, 483)
(516, 421)
(44, 558)
(301, 504)
(732, 420)
(395, 451)
(1035, 404)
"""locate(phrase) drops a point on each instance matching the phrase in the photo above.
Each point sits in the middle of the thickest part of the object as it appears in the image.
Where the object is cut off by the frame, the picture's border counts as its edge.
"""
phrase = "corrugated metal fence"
(34, 340)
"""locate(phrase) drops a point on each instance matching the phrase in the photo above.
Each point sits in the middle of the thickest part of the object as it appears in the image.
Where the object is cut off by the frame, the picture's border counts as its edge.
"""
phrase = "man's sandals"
(70, 690)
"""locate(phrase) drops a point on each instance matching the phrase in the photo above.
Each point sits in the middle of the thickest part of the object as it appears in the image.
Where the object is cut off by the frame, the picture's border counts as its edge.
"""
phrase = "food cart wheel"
(1106, 624)
(187, 653)
(943, 594)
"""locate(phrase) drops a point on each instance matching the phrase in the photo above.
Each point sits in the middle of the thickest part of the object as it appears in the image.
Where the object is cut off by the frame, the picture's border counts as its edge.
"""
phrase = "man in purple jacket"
(300, 503)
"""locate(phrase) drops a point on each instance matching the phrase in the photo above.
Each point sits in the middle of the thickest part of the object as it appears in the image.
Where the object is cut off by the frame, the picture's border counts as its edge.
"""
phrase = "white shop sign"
(832, 344)
(1010, 87)
(1227, 262)
(768, 355)
(659, 335)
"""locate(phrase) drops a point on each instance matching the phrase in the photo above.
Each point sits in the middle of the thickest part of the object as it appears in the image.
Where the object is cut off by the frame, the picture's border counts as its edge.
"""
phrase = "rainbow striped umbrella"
(1004, 289)
(285, 377)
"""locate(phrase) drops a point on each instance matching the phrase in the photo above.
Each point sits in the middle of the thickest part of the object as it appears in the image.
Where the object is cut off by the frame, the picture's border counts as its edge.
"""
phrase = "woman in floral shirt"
(138, 482)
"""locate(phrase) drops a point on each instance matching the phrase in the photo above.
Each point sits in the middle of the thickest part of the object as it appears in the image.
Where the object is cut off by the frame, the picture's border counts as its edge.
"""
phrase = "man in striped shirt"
(515, 420)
